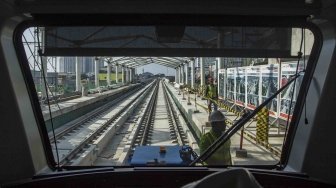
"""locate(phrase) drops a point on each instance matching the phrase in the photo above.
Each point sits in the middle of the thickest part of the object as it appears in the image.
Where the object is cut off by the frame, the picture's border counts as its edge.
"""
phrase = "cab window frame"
(42, 20)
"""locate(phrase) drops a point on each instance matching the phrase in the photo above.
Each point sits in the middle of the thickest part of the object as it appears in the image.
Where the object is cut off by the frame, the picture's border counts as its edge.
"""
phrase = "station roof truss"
(134, 62)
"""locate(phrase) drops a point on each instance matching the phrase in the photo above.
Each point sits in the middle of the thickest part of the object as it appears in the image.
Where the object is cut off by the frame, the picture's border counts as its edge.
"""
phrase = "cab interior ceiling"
(237, 7)
(169, 36)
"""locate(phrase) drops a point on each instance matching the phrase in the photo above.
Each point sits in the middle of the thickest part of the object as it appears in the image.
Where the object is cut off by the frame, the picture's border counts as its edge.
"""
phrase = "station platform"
(65, 111)
(257, 153)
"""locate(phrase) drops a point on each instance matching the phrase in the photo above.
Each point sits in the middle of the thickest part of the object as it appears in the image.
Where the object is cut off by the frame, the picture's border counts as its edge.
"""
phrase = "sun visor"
(168, 41)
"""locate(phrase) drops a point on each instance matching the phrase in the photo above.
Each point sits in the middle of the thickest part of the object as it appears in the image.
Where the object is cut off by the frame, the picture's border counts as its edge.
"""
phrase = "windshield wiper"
(237, 125)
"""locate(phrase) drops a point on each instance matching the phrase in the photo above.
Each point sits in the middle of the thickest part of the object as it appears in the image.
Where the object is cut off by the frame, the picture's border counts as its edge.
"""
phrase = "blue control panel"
(157, 156)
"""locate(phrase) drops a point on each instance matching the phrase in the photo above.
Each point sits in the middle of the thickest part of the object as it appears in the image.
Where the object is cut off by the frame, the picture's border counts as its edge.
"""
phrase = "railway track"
(162, 126)
(109, 135)
(78, 138)
(97, 113)
(155, 122)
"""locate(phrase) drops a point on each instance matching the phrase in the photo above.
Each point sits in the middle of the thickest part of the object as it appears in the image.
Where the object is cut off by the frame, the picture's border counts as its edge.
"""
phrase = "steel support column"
(116, 73)
(202, 71)
(178, 75)
(219, 59)
(122, 75)
(97, 61)
(182, 74)
(186, 65)
(78, 75)
(108, 73)
(225, 82)
(192, 73)
(130, 75)
(125, 73)
(179, 71)
(219, 66)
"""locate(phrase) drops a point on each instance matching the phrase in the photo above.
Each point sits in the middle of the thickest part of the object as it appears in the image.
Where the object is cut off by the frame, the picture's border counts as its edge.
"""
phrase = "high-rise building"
(68, 64)
(60, 67)
(87, 64)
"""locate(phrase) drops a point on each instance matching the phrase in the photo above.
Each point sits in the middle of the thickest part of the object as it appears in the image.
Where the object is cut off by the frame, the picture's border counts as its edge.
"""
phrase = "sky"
(152, 68)
(156, 69)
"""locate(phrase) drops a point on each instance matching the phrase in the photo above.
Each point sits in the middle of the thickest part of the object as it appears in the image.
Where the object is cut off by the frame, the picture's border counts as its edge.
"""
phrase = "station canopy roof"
(133, 62)
(170, 46)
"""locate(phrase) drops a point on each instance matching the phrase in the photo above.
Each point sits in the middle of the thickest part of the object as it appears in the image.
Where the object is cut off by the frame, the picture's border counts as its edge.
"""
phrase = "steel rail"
(173, 118)
(150, 115)
(139, 134)
(98, 132)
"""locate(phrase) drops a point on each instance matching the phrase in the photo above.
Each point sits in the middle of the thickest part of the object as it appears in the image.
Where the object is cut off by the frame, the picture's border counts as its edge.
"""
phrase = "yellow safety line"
(205, 107)
(247, 135)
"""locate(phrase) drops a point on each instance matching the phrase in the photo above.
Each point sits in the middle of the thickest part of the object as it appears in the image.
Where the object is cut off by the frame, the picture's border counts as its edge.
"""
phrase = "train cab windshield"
(169, 94)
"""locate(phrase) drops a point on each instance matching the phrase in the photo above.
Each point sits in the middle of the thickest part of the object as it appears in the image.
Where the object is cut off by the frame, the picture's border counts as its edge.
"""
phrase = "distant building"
(68, 64)
(146, 75)
(87, 64)
(51, 77)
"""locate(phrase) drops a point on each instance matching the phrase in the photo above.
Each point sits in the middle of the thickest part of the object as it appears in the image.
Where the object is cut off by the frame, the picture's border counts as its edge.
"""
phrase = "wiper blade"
(237, 125)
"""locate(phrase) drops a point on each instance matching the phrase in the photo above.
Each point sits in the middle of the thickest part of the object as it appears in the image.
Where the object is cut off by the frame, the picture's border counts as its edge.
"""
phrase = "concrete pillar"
(202, 71)
(109, 73)
(182, 74)
(78, 75)
(122, 75)
(130, 75)
(192, 73)
(215, 74)
(116, 73)
(97, 61)
(219, 60)
(178, 74)
(175, 75)
(225, 82)
(186, 65)
(127, 76)
(219, 66)
(179, 69)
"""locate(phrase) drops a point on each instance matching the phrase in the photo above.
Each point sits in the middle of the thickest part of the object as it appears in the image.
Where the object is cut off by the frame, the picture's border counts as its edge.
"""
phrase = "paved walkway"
(73, 104)
(257, 154)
